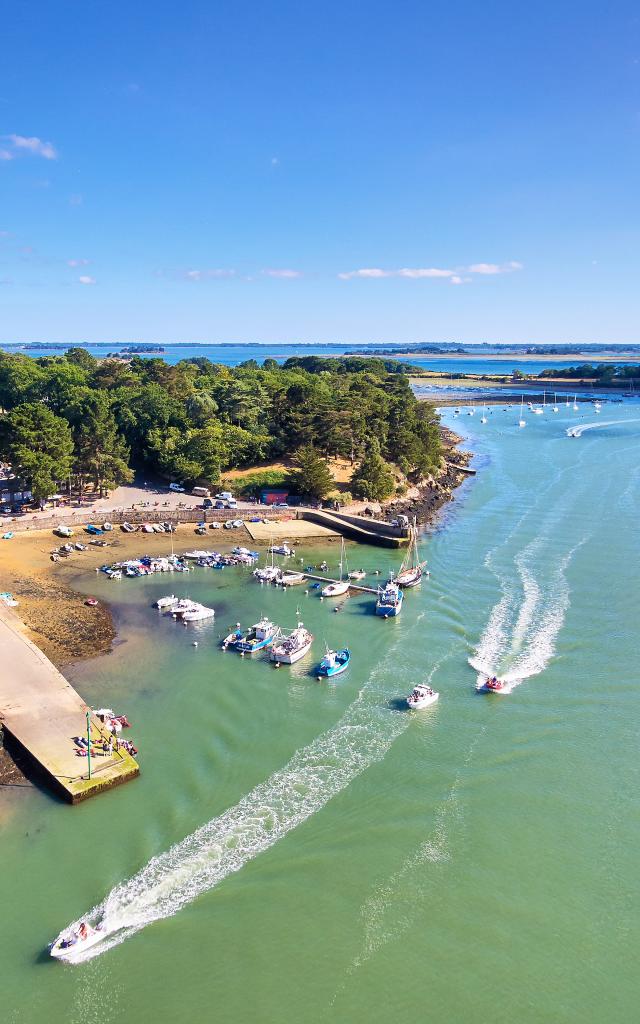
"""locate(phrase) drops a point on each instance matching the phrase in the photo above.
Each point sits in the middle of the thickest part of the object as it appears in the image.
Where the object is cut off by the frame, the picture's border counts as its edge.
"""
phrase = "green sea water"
(296, 850)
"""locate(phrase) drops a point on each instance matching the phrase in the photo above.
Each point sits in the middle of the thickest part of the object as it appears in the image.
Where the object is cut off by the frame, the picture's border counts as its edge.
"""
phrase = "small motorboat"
(97, 531)
(281, 549)
(493, 685)
(74, 940)
(232, 638)
(166, 602)
(91, 602)
(260, 635)
(333, 663)
(63, 530)
(107, 526)
(292, 579)
(357, 574)
(422, 696)
(197, 612)
(389, 602)
(290, 649)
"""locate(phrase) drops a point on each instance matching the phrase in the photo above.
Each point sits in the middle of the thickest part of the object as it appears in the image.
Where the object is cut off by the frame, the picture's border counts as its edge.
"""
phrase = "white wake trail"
(290, 796)
(579, 431)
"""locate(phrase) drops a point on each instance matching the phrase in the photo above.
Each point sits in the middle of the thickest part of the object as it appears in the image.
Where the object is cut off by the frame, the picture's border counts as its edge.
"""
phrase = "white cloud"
(207, 275)
(495, 268)
(416, 273)
(16, 144)
(76, 199)
(269, 272)
(275, 161)
(85, 279)
(411, 272)
(78, 263)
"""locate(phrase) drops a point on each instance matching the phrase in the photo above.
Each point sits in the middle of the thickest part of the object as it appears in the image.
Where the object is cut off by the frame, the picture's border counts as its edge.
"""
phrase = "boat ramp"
(41, 713)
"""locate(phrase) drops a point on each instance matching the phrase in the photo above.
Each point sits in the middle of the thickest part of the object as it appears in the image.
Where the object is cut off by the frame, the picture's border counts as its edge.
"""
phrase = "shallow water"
(296, 850)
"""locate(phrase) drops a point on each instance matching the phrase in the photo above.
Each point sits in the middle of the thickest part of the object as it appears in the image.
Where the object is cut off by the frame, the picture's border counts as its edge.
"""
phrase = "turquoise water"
(304, 851)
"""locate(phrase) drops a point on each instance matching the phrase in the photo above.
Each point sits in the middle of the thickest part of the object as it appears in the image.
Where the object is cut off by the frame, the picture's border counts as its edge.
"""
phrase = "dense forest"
(609, 374)
(96, 421)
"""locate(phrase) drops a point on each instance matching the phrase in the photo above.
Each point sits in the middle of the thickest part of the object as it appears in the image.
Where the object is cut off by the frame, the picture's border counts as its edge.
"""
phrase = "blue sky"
(335, 172)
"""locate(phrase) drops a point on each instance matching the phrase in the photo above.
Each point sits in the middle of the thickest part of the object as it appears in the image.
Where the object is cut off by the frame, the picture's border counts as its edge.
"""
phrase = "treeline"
(610, 373)
(97, 421)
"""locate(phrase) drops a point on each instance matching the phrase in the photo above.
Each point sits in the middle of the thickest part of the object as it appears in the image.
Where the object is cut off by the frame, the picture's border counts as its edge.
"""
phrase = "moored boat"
(412, 569)
(290, 649)
(340, 586)
(333, 663)
(389, 602)
(260, 635)
(422, 696)
(356, 574)
(166, 602)
(292, 579)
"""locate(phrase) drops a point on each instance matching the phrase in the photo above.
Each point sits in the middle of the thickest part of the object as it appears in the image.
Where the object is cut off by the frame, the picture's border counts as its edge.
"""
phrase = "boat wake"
(290, 796)
(519, 640)
(579, 430)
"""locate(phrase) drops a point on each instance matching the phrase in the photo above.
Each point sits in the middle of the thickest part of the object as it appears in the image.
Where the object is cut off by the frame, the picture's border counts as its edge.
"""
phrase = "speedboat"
(281, 549)
(422, 696)
(74, 940)
(166, 602)
(178, 609)
(197, 612)
(293, 647)
(493, 685)
(260, 635)
(357, 574)
(389, 601)
(333, 663)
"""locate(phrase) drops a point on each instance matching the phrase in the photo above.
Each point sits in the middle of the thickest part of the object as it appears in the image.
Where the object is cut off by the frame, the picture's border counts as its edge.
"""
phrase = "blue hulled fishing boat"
(333, 663)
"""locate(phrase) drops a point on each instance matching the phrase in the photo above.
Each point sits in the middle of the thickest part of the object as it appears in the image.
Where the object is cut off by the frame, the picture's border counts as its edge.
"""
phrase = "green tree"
(102, 454)
(313, 476)
(80, 357)
(373, 479)
(39, 447)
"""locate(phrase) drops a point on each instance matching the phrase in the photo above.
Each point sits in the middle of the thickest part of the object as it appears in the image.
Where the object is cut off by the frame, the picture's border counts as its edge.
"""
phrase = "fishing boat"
(260, 635)
(412, 568)
(292, 579)
(292, 647)
(333, 663)
(340, 586)
(522, 422)
(74, 940)
(422, 696)
(389, 602)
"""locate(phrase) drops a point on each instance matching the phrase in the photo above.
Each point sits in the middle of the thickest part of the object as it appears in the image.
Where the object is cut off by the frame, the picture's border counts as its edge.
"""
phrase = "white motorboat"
(356, 574)
(107, 526)
(281, 549)
(293, 647)
(340, 586)
(195, 614)
(292, 579)
(182, 606)
(422, 696)
(63, 530)
(73, 941)
(166, 602)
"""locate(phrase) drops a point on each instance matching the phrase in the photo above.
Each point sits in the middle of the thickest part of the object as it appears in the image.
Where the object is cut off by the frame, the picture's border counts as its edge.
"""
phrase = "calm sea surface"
(231, 355)
(304, 851)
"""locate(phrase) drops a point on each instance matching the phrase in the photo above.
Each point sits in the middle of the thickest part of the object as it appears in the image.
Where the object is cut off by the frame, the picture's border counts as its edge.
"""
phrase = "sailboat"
(575, 403)
(412, 568)
(539, 409)
(567, 402)
(555, 402)
(483, 418)
(341, 585)
(522, 422)
(471, 411)
(271, 573)
(596, 406)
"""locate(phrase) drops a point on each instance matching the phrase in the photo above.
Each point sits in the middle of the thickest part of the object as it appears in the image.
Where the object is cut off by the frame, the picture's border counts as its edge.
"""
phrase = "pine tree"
(373, 479)
(314, 476)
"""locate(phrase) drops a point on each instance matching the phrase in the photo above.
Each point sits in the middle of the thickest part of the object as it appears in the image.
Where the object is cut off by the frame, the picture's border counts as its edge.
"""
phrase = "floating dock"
(42, 713)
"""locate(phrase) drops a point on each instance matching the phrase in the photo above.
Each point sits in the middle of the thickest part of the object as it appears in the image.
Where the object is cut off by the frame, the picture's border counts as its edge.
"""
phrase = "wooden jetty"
(41, 713)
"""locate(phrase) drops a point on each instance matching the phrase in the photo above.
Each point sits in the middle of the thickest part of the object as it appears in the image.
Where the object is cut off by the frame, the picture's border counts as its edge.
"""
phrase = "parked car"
(281, 504)
(177, 487)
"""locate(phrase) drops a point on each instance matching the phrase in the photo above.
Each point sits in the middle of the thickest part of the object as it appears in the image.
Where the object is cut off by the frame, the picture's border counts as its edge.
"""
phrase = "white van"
(201, 492)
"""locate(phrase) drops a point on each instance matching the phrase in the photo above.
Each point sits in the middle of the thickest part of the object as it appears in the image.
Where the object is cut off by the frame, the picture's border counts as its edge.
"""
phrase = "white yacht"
(198, 612)
(163, 603)
(340, 586)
